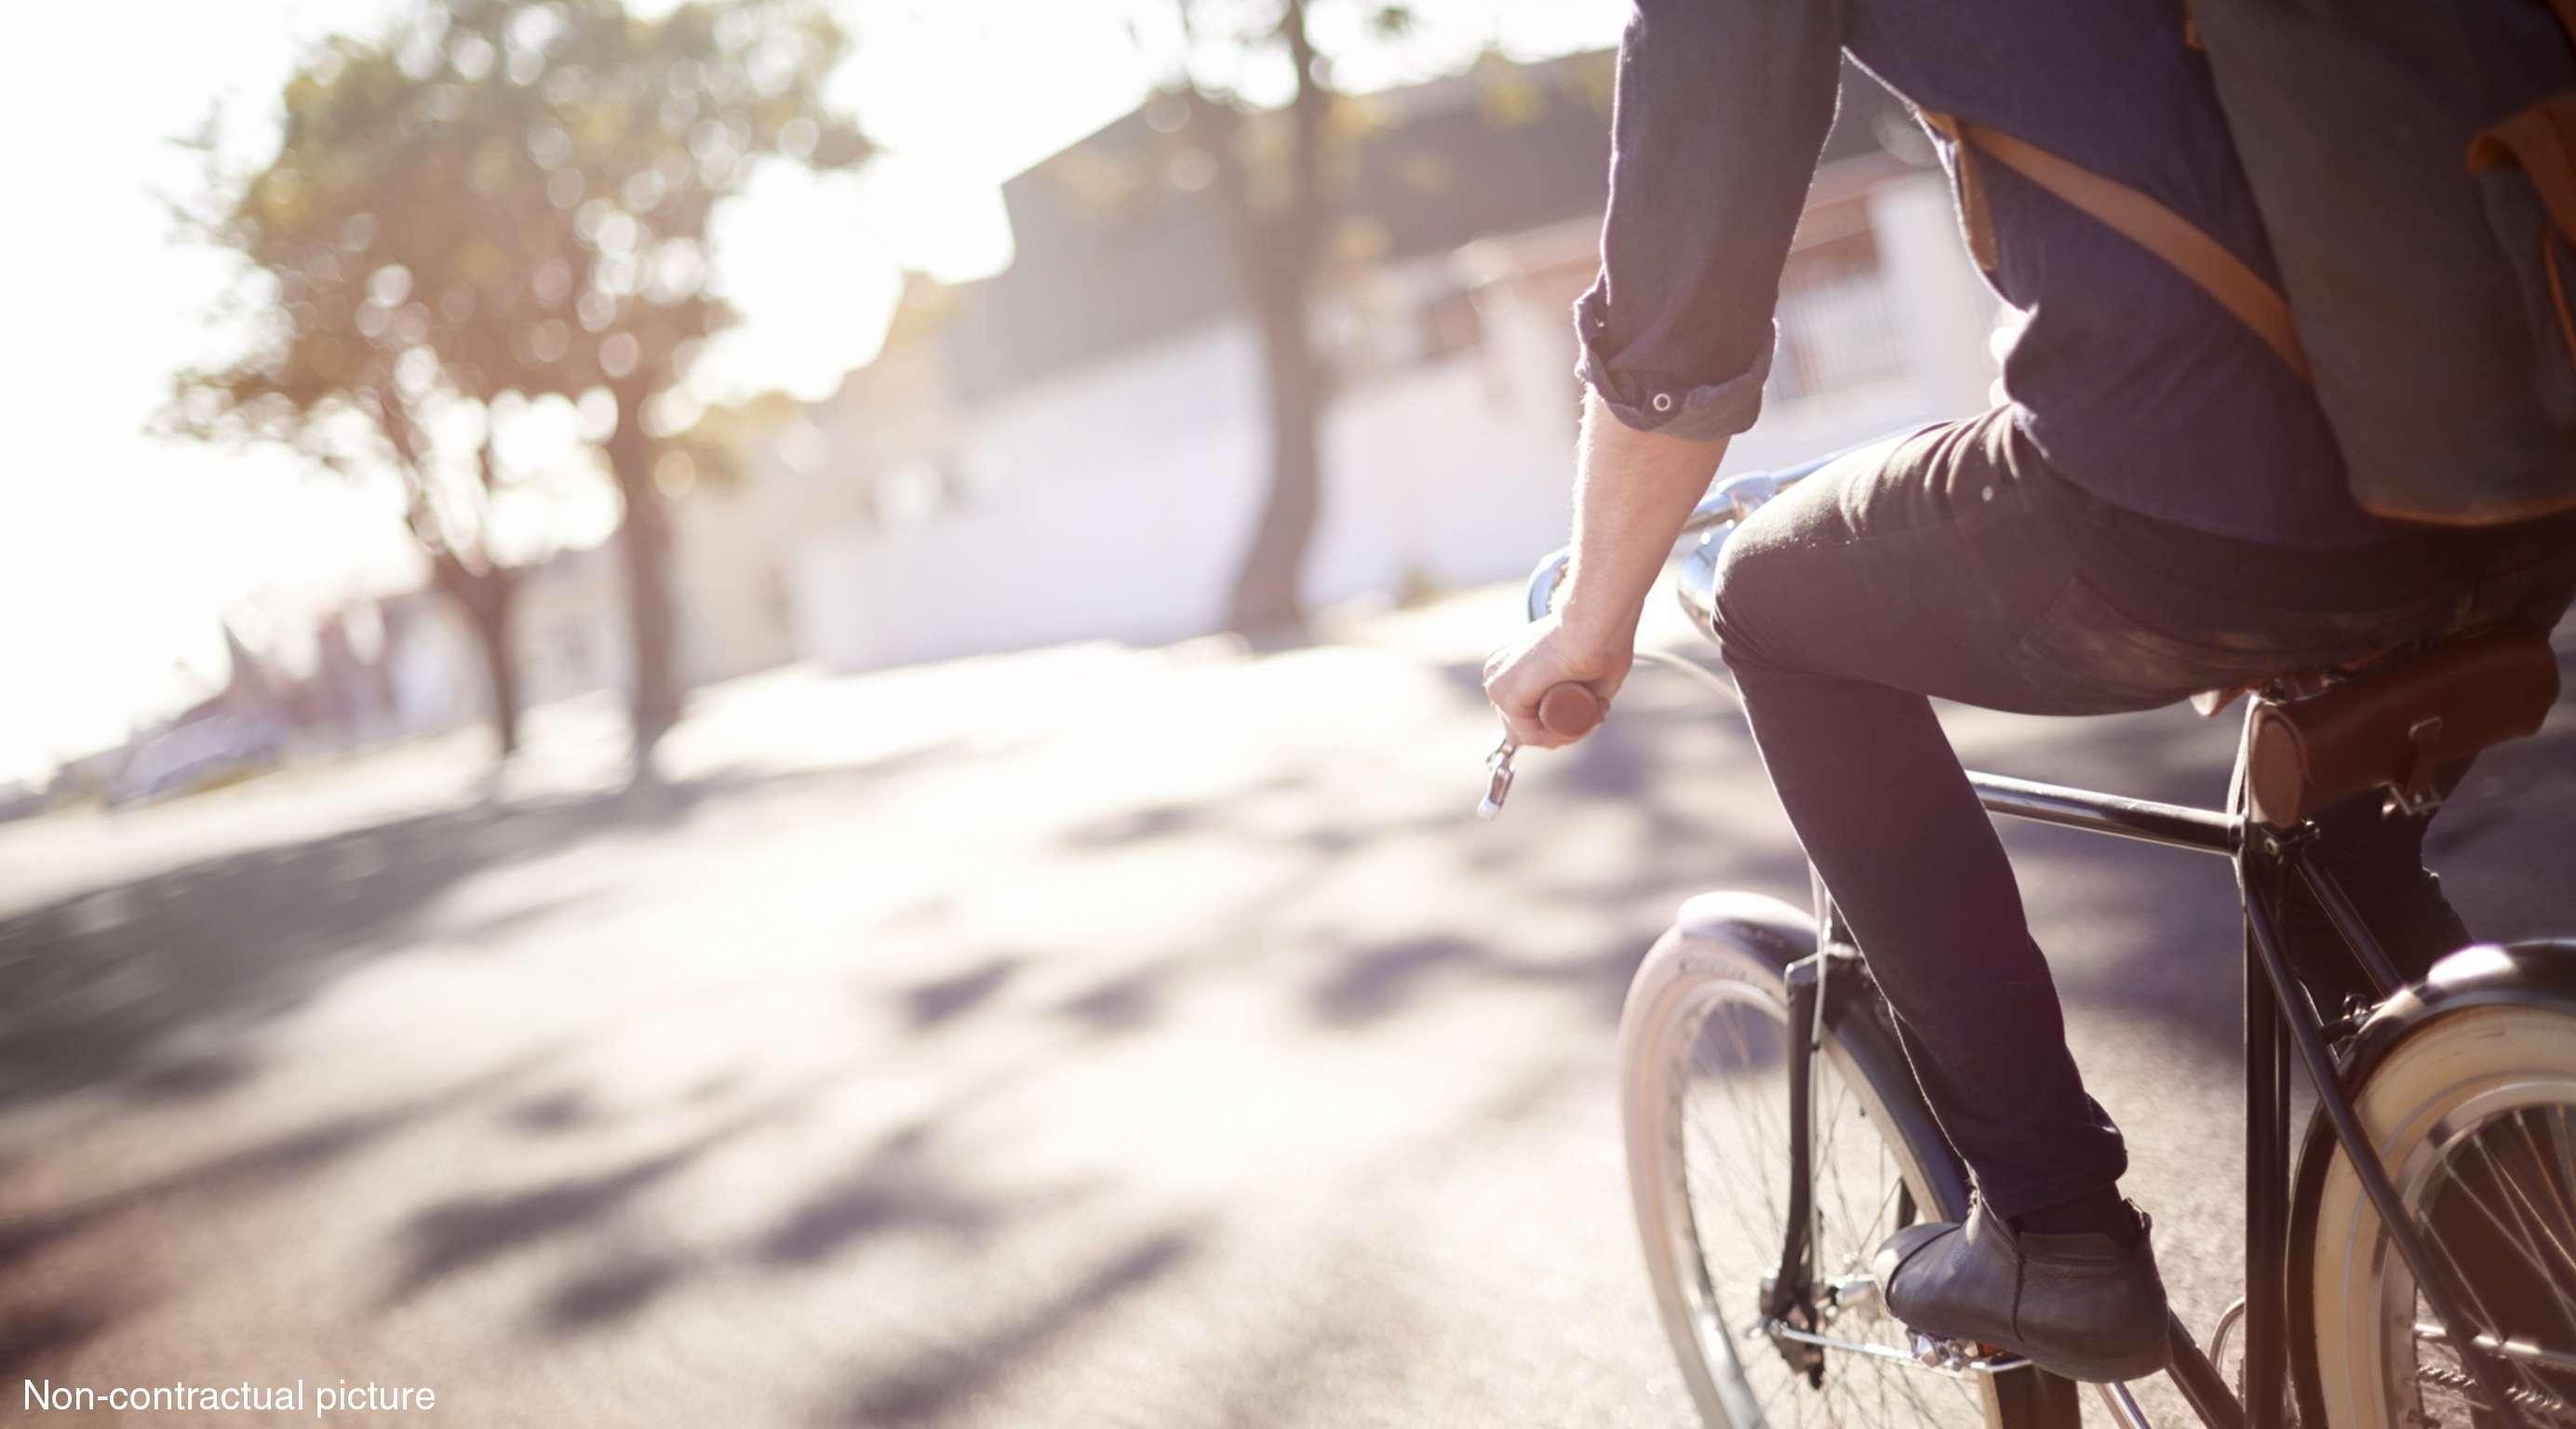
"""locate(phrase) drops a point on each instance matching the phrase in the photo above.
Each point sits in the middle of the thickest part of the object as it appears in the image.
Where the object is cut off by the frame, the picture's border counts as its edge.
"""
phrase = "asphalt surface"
(1094, 1037)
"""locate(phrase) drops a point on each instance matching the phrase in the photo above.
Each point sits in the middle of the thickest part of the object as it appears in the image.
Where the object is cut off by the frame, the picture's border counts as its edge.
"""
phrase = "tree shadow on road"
(937, 1000)
(32, 1333)
(259, 1164)
(938, 1380)
(154, 983)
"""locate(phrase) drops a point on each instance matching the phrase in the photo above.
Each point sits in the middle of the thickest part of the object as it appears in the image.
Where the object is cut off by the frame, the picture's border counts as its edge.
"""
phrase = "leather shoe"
(2081, 1306)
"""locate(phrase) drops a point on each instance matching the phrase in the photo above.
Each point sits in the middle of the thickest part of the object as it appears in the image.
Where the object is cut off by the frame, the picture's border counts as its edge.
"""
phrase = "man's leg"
(1895, 573)
(1885, 813)
(1944, 566)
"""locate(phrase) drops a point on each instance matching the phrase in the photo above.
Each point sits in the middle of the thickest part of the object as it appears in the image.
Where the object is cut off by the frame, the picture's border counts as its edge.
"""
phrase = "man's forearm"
(1632, 491)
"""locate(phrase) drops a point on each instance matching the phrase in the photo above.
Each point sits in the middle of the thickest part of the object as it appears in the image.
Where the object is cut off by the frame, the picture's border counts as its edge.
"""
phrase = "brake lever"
(1569, 710)
(1498, 778)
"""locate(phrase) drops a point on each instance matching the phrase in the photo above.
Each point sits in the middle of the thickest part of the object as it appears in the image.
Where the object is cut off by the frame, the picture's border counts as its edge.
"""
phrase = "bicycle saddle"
(2319, 736)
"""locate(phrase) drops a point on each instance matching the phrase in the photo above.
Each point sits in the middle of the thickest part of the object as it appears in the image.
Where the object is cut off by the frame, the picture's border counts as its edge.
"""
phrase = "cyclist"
(2158, 508)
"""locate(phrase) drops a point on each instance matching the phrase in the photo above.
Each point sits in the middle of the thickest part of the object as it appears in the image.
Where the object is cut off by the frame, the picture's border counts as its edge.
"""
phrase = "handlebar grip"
(1570, 710)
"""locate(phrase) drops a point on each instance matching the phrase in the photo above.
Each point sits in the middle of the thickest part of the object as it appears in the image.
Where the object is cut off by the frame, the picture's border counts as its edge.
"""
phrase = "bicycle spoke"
(2491, 1323)
(2530, 1226)
(2518, 1202)
(1769, 1132)
(2461, 1277)
(1732, 1163)
(1734, 1136)
(1761, 1129)
(1718, 1159)
(2566, 1145)
(2556, 1183)
(1870, 1234)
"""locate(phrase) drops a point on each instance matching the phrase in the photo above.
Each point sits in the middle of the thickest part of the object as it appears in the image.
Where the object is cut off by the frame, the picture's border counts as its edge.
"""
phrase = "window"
(1450, 327)
(1838, 329)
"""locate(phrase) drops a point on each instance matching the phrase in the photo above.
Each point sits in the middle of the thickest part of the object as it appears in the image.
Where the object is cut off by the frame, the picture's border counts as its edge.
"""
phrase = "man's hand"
(1548, 654)
(1632, 491)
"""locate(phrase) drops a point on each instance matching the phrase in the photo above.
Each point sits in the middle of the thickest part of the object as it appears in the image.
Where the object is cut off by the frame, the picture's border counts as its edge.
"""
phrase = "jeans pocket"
(2086, 656)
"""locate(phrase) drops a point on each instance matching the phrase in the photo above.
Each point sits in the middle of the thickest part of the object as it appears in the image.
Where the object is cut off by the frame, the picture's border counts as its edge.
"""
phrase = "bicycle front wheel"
(1704, 1088)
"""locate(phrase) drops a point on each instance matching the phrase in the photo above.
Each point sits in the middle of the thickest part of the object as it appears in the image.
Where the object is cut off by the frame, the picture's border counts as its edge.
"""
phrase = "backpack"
(2414, 162)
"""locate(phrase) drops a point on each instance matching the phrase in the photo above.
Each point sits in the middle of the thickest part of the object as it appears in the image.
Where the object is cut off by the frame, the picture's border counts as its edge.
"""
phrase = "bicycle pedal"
(1962, 1356)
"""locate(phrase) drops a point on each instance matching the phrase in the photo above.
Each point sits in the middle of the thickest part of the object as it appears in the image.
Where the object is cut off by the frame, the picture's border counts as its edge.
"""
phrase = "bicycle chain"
(2461, 1384)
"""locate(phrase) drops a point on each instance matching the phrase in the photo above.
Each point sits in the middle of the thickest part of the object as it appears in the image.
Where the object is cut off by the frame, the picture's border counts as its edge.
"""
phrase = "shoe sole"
(2094, 1369)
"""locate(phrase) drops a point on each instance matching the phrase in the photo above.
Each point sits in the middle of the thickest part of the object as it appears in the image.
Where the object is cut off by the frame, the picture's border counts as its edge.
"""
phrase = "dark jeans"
(1954, 564)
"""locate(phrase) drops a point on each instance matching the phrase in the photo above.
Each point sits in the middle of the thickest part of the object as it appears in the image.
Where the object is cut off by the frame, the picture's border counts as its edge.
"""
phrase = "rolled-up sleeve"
(1721, 109)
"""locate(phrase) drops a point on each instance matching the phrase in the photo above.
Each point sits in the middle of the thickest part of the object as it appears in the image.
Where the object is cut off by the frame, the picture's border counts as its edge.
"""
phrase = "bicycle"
(2446, 1102)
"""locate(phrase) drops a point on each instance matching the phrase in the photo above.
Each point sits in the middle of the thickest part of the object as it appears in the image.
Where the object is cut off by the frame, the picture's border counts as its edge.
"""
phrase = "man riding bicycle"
(2158, 508)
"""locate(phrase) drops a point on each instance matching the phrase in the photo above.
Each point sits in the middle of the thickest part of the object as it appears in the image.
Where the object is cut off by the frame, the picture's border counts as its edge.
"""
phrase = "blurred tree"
(497, 203)
(1275, 176)
(1275, 205)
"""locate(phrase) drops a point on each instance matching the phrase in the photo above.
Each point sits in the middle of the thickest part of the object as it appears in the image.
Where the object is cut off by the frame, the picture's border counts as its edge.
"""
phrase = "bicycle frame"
(2281, 1021)
(2277, 1002)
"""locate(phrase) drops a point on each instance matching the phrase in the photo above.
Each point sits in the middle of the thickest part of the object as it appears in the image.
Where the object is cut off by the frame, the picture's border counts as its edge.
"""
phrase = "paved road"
(1093, 1037)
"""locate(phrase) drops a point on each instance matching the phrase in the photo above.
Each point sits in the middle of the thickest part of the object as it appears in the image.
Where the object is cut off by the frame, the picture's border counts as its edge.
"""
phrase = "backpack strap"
(2141, 220)
(2541, 142)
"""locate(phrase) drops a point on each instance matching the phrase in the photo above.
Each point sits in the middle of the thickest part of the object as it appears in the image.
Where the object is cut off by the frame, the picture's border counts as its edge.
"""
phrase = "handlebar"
(1570, 711)
(1727, 503)
(1573, 711)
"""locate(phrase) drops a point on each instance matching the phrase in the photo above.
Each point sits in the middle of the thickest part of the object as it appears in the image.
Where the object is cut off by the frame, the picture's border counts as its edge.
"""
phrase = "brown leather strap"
(2558, 293)
(2160, 231)
(2157, 229)
(1972, 192)
(2541, 141)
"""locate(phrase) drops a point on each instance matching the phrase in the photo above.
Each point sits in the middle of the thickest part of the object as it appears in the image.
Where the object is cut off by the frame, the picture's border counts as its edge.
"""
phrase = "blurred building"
(570, 626)
(567, 634)
(1076, 448)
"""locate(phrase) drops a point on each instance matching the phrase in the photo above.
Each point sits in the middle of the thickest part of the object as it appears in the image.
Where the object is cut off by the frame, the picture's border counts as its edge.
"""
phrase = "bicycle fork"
(1789, 1296)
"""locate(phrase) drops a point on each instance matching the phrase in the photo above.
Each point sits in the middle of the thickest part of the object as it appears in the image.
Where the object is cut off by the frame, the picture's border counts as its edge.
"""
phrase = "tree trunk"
(489, 598)
(1279, 254)
(1265, 594)
(492, 631)
(654, 698)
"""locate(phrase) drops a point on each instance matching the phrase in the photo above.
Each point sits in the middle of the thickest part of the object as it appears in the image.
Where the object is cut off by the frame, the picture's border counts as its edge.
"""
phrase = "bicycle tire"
(2427, 1092)
(1735, 949)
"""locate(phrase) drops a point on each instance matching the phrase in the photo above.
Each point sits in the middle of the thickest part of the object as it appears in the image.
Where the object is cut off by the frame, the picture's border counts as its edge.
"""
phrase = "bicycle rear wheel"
(2474, 1115)
(1704, 1088)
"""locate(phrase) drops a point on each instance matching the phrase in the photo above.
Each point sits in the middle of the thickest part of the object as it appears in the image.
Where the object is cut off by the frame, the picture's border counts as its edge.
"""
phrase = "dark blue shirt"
(2135, 384)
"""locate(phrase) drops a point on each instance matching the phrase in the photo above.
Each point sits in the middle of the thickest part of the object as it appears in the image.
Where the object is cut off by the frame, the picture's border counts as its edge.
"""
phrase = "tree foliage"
(499, 201)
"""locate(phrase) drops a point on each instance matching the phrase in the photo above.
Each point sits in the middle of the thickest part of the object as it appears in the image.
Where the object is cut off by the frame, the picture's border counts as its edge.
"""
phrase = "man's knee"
(1747, 577)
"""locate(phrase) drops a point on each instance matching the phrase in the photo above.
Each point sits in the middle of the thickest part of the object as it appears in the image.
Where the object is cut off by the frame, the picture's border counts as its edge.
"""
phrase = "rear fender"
(2540, 972)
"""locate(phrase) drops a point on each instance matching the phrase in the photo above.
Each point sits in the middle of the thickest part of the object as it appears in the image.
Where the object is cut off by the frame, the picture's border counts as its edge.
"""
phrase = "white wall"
(1115, 503)
(1945, 312)
(729, 552)
(1451, 474)
(569, 627)
(436, 671)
